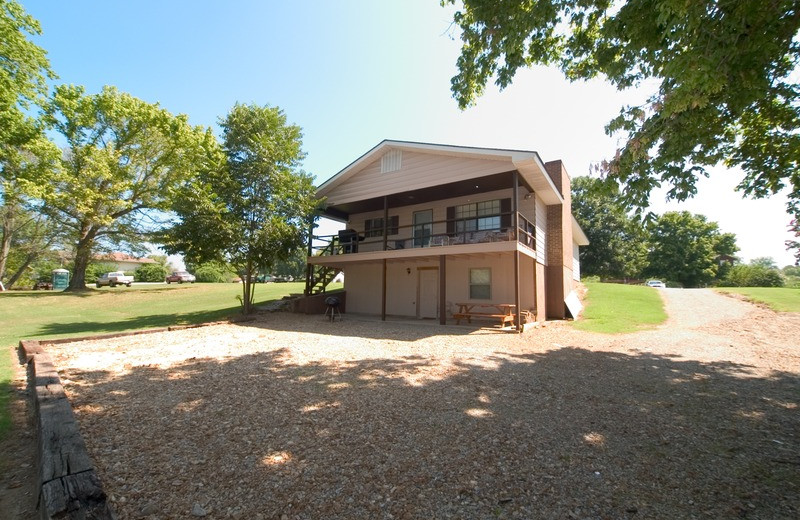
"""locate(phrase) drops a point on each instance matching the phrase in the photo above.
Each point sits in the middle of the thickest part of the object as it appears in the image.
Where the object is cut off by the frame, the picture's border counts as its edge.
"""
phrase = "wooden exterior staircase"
(318, 277)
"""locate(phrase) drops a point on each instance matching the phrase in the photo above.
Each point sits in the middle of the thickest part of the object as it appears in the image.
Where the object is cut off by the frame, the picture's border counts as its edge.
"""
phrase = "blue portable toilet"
(60, 279)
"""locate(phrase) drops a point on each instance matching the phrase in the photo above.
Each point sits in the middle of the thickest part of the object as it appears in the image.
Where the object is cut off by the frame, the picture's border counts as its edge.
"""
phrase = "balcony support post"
(309, 267)
(515, 223)
(385, 220)
(383, 292)
(442, 290)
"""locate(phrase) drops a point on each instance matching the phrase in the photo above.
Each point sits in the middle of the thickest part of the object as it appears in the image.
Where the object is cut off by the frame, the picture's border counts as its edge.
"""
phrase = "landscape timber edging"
(68, 485)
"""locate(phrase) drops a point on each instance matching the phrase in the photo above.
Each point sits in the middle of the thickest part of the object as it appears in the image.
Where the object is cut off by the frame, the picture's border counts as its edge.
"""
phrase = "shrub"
(151, 273)
(94, 270)
(211, 273)
(752, 276)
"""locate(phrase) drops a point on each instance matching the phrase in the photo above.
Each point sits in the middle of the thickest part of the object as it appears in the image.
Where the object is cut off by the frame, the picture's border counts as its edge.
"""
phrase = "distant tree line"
(680, 248)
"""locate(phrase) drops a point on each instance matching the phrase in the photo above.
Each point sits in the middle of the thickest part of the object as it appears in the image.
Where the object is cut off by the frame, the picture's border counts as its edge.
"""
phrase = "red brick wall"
(559, 242)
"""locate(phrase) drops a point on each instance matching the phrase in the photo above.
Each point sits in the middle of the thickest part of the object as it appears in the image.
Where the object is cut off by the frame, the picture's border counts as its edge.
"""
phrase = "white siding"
(418, 170)
(576, 263)
(541, 232)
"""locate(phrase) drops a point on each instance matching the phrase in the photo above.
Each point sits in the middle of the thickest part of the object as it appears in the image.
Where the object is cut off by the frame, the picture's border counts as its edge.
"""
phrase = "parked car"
(658, 284)
(180, 277)
(113, 279)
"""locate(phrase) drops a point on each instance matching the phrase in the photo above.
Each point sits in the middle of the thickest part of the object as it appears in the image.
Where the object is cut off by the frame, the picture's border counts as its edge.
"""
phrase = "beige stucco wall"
(363, 283)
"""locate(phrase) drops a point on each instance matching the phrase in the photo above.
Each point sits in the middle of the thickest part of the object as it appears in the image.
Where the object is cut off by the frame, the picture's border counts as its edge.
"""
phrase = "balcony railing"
(429, 234)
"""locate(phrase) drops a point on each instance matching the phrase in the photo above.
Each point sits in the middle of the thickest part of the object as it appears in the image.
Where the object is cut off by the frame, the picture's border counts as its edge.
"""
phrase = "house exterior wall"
(363, 283)
(126, 266)
(418, 170)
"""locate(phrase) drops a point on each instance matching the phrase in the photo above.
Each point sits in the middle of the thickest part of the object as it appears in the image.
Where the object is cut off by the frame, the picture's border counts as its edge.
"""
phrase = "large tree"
(251, 211)
(685, 248)
(122, 160)
(27, 157)
(24, 71)
(727, 89)
(617, 242)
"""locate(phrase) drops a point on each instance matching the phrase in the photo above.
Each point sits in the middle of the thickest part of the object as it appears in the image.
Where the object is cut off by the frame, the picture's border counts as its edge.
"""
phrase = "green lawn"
(42, 314)
(616, 308)
(777, 298)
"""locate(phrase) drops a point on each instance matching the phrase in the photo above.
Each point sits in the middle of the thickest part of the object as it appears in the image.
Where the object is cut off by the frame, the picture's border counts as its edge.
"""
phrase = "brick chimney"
(558, 279)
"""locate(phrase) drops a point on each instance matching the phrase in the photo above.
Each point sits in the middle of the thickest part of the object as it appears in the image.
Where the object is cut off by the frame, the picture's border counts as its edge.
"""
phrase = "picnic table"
(502, 311)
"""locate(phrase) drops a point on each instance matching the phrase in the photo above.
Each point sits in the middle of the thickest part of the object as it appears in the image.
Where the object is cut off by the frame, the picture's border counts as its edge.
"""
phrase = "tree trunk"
(16, 276)
(247, 288)
(8, 231)
(83, 254)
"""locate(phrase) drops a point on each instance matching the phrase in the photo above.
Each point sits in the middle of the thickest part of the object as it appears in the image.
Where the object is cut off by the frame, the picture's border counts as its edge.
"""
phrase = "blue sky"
(352, 73)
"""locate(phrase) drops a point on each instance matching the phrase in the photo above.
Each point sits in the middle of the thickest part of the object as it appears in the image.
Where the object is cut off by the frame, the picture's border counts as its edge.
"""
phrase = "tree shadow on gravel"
(568, 433)
(89, 327)
(371, 327)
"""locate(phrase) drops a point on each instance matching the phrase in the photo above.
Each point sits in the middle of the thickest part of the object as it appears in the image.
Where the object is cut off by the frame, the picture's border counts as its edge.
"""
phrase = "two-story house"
(432, 230)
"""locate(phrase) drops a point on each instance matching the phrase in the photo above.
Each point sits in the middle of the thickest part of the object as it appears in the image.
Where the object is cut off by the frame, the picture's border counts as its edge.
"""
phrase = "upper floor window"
(373, 227)
(477, 216)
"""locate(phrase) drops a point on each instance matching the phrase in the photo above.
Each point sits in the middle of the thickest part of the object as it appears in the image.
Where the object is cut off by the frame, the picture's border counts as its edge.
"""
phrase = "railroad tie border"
(69, 487)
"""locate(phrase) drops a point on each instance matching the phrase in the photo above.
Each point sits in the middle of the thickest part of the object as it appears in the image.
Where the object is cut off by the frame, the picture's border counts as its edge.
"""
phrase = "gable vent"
(391, 161)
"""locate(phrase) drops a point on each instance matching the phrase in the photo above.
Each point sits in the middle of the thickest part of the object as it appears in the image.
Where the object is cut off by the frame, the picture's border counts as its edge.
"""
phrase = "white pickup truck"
(114, 278)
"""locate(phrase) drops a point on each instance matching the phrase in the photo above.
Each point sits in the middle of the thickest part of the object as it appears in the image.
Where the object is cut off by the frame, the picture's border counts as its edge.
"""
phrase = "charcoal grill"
(333, 308)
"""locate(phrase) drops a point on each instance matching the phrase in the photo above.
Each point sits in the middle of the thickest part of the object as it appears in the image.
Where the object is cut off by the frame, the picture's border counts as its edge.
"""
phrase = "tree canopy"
(727, 92)
(122, 161)
(687, 248)
(617, 242)
(253, 209)
(24, 71)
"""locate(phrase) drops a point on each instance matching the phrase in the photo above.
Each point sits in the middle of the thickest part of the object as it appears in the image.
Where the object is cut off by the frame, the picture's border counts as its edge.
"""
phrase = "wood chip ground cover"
(295, 417)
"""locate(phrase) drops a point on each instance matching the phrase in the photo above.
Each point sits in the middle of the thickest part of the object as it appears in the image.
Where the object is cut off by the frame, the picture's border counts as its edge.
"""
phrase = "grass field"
(777, 298)
(616, 308)
(41, 314)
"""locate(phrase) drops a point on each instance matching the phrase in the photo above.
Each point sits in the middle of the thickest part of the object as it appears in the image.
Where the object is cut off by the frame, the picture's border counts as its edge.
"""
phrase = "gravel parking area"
(294, 417)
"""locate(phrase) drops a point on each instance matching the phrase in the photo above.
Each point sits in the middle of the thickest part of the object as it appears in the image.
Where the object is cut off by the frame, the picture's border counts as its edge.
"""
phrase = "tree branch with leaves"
(726, 71)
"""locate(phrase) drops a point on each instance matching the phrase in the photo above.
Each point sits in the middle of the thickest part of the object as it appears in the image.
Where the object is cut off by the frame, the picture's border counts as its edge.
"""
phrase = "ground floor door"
(427, 293)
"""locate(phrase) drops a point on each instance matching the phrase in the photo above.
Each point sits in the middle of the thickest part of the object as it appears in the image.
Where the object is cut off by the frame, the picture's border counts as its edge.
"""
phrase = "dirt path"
(18, 493)
(692, 308)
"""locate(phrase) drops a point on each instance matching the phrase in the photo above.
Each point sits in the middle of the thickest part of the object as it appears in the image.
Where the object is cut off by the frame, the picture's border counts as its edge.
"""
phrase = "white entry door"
(427, 293)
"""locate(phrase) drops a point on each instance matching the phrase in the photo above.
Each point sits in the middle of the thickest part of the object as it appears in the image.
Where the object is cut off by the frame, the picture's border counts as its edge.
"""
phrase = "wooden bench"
(504, 318)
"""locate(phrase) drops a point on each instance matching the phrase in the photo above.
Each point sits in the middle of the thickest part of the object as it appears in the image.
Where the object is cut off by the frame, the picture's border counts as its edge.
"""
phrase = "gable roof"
(528, 163)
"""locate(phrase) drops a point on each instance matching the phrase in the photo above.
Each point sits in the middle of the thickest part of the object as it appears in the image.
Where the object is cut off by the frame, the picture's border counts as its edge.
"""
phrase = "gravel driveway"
(294, 417)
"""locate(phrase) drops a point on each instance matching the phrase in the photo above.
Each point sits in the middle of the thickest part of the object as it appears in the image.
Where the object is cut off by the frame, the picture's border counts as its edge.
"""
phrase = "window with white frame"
(480, 283)
(478, 216)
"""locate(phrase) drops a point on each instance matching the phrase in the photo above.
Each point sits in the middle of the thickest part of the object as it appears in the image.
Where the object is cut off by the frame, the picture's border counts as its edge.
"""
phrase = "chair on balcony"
(439, 240)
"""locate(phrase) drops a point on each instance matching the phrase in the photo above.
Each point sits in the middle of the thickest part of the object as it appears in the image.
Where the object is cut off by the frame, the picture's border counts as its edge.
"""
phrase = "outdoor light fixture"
(408, 270)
